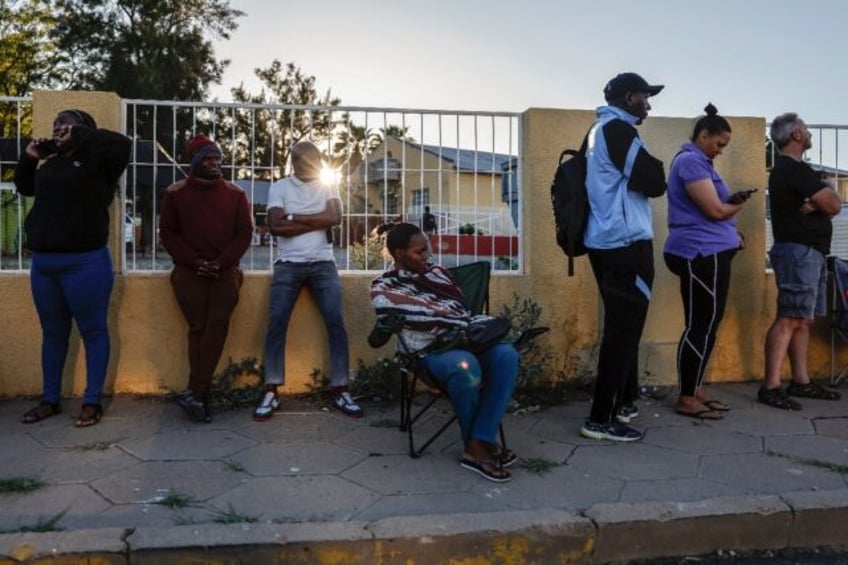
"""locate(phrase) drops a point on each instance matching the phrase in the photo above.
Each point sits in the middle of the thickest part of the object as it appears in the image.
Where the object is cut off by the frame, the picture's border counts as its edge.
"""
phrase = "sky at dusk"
(748, 57)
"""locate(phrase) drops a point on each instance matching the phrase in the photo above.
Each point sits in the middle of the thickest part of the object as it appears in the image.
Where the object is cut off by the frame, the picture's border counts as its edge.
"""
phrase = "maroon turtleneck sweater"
(205, 219)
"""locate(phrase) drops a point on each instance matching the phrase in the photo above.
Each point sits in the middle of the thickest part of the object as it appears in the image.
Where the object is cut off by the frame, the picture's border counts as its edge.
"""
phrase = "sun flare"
(329, 175)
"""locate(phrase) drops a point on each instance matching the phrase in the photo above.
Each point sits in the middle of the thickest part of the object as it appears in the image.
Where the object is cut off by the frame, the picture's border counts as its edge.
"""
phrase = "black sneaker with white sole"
(626, 413)
(614, 431)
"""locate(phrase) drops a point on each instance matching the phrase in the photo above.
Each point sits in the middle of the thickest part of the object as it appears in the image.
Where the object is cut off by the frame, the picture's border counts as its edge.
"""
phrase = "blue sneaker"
(626, 413)
(613, 431)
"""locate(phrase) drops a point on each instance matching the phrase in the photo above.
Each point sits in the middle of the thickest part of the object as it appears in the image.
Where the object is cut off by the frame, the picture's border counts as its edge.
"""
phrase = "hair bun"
(383, 228)
(710, 109)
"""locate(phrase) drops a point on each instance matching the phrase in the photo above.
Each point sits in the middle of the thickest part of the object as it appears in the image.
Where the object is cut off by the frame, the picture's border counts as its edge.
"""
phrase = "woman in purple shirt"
(702, 241)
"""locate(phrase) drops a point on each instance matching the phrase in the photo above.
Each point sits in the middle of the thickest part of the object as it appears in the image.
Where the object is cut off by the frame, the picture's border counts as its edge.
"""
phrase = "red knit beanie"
(199, 147)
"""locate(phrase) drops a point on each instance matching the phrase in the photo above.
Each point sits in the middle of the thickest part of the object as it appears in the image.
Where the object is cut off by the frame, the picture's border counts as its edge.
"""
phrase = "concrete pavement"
(314, 486)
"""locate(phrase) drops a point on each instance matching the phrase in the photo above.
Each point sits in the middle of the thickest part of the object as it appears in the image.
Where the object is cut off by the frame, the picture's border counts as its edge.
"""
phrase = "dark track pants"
(625, 276)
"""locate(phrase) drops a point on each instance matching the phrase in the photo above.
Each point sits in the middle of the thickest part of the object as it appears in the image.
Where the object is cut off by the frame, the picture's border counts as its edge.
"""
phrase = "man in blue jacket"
(621, 175)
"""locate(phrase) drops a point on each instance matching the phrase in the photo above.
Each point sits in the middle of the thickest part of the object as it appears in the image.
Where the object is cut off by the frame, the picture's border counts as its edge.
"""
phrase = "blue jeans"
(75, 286)
(322, 280)
(479, 386)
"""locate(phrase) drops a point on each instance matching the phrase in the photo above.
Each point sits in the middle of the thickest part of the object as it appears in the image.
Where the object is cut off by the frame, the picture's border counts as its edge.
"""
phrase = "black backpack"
(571, 203)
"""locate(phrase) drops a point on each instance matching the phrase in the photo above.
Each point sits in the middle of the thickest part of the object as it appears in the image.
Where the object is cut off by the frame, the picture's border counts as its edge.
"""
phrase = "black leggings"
(704, 282)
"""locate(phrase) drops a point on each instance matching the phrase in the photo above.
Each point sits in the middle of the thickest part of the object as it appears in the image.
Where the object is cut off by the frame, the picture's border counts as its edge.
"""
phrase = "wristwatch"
(290, 217)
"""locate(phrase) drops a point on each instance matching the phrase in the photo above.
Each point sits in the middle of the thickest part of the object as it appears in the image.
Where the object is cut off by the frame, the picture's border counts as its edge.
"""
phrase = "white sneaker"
(271, 402)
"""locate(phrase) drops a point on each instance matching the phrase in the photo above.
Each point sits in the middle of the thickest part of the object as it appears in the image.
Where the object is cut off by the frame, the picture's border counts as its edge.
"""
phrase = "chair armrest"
(528, 335)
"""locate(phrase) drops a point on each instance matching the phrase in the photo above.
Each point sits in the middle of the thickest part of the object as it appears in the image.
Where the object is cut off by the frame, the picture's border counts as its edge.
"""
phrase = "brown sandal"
(89, 415)
(41, 412)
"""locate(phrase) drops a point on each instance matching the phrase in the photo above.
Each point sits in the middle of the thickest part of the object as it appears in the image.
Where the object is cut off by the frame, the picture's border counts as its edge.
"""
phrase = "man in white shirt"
(300, 211)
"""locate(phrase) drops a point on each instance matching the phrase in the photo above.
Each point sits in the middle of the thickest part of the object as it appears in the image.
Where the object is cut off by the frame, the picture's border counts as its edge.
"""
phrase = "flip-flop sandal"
(487, 468)
(706, 414)
(504, 456)
(716, 405)
(89, 415)
(811, 390)
(43, 411)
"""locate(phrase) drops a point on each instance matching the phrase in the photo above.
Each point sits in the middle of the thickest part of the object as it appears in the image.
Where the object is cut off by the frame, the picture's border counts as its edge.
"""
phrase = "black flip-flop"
(479, 467)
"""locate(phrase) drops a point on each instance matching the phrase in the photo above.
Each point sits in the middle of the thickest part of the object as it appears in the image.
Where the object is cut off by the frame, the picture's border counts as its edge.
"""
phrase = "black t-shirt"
(790, 183)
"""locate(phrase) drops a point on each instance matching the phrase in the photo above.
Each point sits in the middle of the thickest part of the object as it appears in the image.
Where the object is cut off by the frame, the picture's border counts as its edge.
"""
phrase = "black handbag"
(484, 332)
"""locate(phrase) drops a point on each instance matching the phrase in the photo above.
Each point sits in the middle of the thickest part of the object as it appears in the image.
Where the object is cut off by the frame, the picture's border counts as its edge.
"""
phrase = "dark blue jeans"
(479, 386)
(76, 286)
(322, 280)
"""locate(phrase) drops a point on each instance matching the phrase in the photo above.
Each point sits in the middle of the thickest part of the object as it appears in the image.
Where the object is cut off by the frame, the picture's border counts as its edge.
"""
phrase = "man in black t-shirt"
(802, 205)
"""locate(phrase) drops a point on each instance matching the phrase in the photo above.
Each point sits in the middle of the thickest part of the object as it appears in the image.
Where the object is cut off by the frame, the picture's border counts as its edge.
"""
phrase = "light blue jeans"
(322, 280)
(479, 386)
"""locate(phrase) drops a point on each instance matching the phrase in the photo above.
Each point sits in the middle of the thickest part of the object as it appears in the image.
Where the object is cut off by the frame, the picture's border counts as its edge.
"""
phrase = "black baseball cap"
(623, 83)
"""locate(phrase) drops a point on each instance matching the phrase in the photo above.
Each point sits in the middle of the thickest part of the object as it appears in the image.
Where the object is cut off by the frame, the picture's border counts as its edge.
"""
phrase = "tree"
(156, 49)
(28, 59)
(274, 128)
(28, 56)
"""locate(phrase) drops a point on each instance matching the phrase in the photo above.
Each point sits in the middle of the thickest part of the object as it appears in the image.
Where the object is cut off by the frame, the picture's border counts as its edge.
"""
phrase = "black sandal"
(811, 390)
(777, 398)
(41, 412)
(89, 415)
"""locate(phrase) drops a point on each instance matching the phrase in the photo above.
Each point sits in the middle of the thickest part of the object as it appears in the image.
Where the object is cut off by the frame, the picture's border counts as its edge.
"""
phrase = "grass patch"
(230, 516)
(234, 466)
(96, 446)
(538, 466)
(19, 485)
(48, 525)
(834, 467)
(176, 500)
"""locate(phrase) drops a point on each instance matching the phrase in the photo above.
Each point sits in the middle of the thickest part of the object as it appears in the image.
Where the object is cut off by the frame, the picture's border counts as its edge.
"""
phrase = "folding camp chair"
(473, 280)
(839, 314)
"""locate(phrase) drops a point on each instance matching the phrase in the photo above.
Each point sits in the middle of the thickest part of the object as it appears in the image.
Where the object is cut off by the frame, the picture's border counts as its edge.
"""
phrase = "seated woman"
(479, 386)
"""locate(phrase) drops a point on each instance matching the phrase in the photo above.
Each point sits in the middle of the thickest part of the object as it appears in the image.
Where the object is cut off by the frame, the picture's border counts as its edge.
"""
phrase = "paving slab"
(832, 427)
(289, 458)
(183, 444)
(699, 438)
(67, 465)
(767, 474)
(295, 499)
(644, 461)
(49, 507)
(152, 481)
(401, 474)
(815, 450)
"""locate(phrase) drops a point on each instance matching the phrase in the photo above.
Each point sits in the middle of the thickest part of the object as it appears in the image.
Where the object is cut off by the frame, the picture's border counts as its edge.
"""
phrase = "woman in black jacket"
(73, 176)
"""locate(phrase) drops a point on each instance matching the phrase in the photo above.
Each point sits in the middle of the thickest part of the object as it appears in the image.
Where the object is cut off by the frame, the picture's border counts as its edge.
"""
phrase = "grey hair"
(782, 128)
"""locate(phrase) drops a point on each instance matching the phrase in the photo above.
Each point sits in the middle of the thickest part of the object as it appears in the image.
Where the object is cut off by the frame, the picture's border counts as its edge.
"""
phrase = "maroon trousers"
(207, 305)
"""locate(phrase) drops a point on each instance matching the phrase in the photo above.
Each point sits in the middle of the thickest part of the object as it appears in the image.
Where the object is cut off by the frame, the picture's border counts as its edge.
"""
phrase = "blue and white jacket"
(620, 177)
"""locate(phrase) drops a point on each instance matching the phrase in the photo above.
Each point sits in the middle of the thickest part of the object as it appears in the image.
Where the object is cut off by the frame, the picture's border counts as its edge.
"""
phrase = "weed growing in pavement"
(19, 485)
(96, 446)
(175, 499)
(42, 526)
(234, 466)
(239, 385)
(230, 516)
(835, 467)
(538, 466)
(533, 384)
(380, 381)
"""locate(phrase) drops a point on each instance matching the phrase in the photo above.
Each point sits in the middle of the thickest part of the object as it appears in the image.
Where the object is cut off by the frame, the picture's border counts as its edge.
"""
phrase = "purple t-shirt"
(690, 231)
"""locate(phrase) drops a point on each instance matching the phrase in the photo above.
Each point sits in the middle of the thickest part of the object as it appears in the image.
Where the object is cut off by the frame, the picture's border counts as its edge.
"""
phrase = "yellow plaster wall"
(148, 332)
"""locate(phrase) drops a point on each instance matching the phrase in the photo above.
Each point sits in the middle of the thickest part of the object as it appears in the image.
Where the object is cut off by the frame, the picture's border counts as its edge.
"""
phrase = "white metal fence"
(829, 157)
(390, 165)
(15, 133)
